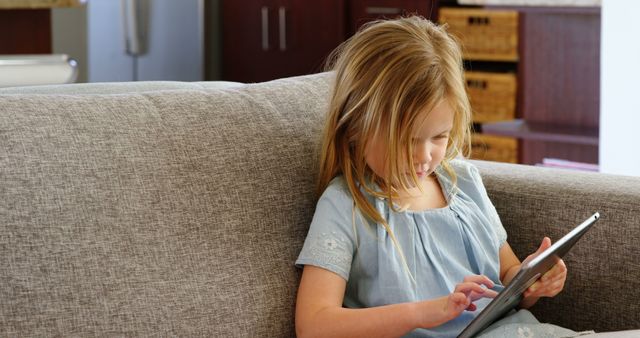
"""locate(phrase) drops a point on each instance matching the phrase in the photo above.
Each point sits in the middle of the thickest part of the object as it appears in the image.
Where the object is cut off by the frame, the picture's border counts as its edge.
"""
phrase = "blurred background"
(551, 83)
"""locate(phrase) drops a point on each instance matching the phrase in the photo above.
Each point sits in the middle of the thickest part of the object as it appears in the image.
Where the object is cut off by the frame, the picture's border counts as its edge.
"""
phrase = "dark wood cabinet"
(559, 85)
(557, 62)
(557, 66)
(263, 40)
(560, 81)
(25, 31)
(26, 25)
(363, 11)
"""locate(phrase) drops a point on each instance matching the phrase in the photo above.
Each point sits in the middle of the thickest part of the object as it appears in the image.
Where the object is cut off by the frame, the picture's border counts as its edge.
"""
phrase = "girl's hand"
(552, 282)
(467, 292)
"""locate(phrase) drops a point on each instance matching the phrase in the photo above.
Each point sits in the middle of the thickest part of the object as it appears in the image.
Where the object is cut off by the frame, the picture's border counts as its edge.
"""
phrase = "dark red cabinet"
(363, 11)
(265, 40)
(25, 31)
(557, 65)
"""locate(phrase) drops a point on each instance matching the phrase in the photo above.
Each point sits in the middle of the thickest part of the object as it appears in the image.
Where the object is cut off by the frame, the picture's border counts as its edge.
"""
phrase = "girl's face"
(429, 144)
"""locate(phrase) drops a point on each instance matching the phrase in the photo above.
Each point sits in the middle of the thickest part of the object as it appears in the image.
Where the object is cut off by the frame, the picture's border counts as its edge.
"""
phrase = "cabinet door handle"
(383, 10)
(282, 16)
(265, 28)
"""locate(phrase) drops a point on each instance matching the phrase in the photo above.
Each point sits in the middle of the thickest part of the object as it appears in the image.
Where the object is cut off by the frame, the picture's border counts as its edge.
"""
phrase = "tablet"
(509, 298)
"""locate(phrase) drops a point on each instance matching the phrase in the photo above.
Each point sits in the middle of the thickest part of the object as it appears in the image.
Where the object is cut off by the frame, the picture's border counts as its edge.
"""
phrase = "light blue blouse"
(441, 246)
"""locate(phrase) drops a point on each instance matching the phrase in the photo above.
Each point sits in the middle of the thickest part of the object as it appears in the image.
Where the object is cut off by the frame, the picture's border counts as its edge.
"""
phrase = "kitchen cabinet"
(554, 53)
(363, 11)
(264, 40)
(26, 25)
(550, 68)
(559, 85)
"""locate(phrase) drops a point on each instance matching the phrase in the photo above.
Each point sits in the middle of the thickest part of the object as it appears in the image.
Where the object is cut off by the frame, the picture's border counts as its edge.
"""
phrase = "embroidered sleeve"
(330, 241)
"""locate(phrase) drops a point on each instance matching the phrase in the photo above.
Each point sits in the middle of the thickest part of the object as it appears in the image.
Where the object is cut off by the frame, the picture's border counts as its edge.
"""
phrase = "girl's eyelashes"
(442, 136)
(416, 140)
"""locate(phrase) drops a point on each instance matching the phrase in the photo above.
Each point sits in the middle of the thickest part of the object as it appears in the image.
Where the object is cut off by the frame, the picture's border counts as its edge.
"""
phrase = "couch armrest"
(603, 285)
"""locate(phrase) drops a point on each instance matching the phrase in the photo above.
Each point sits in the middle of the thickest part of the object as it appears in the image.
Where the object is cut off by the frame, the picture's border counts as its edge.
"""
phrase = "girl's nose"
(422, 153)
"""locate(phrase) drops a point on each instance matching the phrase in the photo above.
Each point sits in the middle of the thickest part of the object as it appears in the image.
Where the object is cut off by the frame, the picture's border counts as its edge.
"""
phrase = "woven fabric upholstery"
(174, 210)
(118, 87)
(162, 213)
(603, 283)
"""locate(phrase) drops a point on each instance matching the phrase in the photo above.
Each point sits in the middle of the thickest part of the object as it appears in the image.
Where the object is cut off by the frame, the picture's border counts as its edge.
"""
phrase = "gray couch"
(178, 209)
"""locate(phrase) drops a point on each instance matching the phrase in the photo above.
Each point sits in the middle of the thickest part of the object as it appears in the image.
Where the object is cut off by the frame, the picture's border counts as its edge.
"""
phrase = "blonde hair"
(386, 75)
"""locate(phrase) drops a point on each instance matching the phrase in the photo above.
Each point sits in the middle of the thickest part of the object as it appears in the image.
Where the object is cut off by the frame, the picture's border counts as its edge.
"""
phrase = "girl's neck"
(430, 197)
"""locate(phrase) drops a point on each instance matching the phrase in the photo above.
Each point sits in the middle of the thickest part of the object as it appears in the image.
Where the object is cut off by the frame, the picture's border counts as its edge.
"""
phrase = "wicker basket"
(492, 96)
(494, 148)
(486, 35)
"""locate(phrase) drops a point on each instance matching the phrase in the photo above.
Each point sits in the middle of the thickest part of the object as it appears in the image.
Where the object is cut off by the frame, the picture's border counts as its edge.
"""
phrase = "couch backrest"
(160, 212)
(603, 282)
(174, 212)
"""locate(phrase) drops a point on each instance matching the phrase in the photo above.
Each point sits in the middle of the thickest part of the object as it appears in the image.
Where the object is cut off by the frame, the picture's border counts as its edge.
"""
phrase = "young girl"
(404, 239)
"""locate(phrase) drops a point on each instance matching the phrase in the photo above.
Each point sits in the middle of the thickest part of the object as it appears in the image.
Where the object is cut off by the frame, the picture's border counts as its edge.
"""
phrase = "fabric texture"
(181, 212)
(522, 324)
(156, 214)
(101, 88)
(441, 246)
(603, 279)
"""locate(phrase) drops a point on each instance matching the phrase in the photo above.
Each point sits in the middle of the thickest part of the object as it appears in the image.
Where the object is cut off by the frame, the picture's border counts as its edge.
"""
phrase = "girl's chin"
(421, 178)
(421, 175)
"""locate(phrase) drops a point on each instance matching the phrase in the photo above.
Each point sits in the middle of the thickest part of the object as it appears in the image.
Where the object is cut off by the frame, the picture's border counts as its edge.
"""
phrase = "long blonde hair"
(385, 76)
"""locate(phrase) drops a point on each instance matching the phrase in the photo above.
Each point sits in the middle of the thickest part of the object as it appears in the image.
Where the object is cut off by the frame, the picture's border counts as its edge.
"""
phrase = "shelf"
(573, 10)
(529, 130)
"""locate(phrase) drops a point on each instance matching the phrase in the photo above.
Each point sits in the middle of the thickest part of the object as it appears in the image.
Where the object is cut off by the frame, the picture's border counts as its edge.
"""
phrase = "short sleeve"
(330, 242)
(470, 177)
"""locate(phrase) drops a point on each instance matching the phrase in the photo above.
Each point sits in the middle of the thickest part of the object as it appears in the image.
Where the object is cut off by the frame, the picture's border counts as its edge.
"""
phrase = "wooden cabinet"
(548, 56)
(26, 25)
(561, 81)
(363, 11)
(26, 31)
(268, 39)
(557, 66)
(559, 85)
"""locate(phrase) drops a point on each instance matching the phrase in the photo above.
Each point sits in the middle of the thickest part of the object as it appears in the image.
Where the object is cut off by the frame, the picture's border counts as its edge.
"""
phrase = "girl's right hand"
(467, 292)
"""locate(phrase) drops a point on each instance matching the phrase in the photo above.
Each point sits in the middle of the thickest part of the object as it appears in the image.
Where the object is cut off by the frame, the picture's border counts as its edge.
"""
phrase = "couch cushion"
(602, 285)
(157, 213)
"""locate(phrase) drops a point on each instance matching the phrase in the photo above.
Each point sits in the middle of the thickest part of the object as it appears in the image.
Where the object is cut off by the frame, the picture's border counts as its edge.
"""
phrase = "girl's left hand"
(552, 282)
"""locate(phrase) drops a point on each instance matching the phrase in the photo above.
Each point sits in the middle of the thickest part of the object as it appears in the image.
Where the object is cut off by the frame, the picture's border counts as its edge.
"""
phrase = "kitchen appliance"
(145, 40)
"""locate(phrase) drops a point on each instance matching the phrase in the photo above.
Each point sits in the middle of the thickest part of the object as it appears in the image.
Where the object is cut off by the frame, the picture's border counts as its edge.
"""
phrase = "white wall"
(620, 88)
